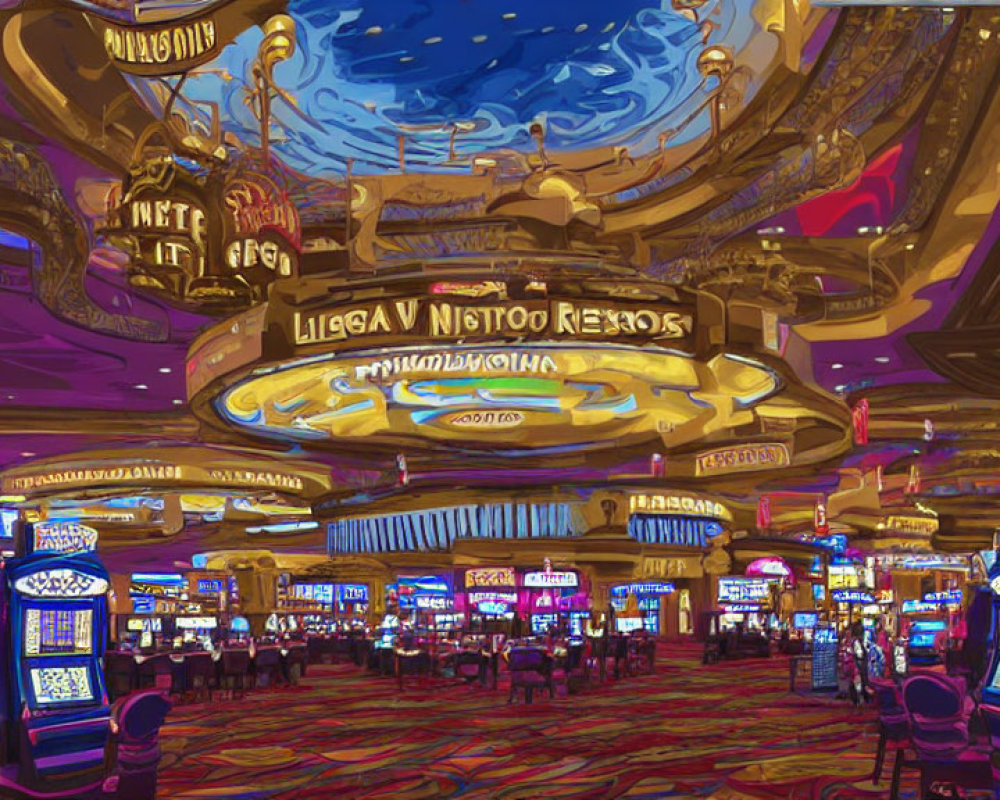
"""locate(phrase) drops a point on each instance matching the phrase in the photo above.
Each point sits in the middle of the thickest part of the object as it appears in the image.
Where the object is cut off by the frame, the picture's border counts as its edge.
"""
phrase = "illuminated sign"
(918, 607)
(63, 537)
(493, 608)
(244, 254)
(352, 592)
(920, 526)
(859, 418)
(954, 597)
(640, 589)
(61, 583)
(763, 513)
(550, 579)
(210, 586)
(191, 623)
(161, 50)
(820, 525)
(673, 530)
(540, 319)
(429, 584)
(489, 577)
(475, 598)
(930, 561)
(744, 590)
(851, 596)
(479, 362)
(677, 504)
(742, 458)
(769, 566)
(739, 608)
(885, 596)
(434, 602)
(843, 576)
(8, 516)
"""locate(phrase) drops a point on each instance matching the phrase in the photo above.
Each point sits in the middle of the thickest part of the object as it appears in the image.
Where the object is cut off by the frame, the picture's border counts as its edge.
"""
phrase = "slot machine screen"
(53, 685)
(58, 631)
(805, 620)
(540, 622)
(922, 633)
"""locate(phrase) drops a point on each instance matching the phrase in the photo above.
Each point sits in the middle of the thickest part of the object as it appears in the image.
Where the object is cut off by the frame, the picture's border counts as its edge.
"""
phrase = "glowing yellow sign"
(161, 47)
(920, 526)
(489, 577)
(742, 458)
(677, 504)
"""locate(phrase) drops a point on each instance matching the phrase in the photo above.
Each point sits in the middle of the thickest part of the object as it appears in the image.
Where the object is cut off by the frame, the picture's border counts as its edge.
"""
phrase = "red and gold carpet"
(725, 732)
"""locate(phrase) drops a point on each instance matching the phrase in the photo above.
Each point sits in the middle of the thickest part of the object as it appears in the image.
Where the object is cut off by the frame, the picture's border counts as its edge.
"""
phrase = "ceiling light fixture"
(837, 365)
(141, 386)
(177, 401)
(882, 359)
(165, 370)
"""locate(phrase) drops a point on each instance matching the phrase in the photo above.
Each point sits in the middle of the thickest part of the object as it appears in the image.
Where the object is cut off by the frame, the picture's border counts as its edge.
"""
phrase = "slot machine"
(56, 713)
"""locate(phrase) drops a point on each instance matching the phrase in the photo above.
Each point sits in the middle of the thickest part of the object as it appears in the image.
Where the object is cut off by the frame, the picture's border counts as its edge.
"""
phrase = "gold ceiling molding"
(175, 467)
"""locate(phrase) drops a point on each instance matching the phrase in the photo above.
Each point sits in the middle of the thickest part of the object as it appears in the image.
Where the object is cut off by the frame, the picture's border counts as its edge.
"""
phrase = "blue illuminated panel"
(673, 530)
(437, 529)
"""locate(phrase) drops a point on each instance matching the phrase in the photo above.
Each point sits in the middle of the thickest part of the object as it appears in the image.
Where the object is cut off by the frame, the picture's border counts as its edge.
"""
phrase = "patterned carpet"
(725, 732)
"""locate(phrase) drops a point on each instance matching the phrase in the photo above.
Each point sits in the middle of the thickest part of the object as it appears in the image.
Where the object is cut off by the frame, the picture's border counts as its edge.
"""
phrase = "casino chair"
(893, 730)
(200, 675)
(267, 666)
(133, 750)
(411, 662)
(295, 663)
(470, 666)
(314, 645)
(530, 668)
(235, 670)
(573, 673)
(939, 712)
(119, 674)
(641, 655)
(156, 672)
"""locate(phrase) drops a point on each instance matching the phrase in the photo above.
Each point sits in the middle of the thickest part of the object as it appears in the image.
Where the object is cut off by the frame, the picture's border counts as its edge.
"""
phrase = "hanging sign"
(489, 577)
(64, 536)
(763, 513)
(820, 524)
(744, 590)
(742, 458)
(643, 589)
(161, 49)
(687, 505)
(920, 526)
(547, 580)
(953, 597)
(859, 417)
(852, 596)
(475, 598)
(769, 567)
(430, 602)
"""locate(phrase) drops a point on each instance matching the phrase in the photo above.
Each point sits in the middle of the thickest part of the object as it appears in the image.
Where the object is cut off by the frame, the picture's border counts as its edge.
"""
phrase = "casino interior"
(455, 399)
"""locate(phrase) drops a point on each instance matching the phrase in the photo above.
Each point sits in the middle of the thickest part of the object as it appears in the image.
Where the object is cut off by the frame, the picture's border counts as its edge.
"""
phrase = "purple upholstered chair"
(893, 730)
(530, 669)
(939, 712)
(134, 746)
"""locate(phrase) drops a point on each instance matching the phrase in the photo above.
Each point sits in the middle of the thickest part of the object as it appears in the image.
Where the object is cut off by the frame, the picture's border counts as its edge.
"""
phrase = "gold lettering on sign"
(922, 526)
(485, 419)
(488, 577)
(676, 504)
(169, 216)
(742, 458)
(535, 318)
(160, 47)
(476, 362)
(120, 474)
(249, 477)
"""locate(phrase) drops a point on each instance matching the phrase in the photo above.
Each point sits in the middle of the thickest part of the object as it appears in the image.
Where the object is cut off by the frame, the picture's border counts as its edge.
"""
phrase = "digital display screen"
(805, 620)
(922, 640)
(744, 590)
(540, 622)
(153, 624)
(932, 626)
(210, 586)
(193, 623)
(61, 685)
(55, 631)
(8, 516)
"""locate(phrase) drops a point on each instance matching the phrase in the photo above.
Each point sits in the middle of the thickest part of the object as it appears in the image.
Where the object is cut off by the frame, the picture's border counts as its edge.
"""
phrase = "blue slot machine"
(56, 717)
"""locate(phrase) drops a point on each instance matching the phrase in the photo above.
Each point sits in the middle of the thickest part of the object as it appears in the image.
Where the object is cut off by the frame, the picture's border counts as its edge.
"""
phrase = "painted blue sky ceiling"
(595, 73)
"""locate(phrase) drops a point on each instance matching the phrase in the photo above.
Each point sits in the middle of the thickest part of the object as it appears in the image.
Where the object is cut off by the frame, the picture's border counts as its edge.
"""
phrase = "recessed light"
(374, 30)
(177, 401)
(405, 59)
(508, 16)
(837, 366)
(10, 397)
(166, 370)
(141, 386)
(910, 246)
(548, 29)
(479, 39)
(608, 28)
(27, 454)
(882, 359)
(580, 28)
(838, 387)
(432, 40)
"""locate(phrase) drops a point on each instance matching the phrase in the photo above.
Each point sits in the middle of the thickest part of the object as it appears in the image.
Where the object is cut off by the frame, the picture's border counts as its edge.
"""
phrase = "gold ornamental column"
(257, 580)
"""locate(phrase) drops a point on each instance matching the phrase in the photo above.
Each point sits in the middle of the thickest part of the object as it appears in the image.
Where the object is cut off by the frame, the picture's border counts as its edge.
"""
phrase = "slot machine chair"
(530, 668)
(939, 712)
(133, 751)
(893, 730)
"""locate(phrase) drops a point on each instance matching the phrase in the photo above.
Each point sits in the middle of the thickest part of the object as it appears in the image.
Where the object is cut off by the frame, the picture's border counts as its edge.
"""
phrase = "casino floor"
(727, 731)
